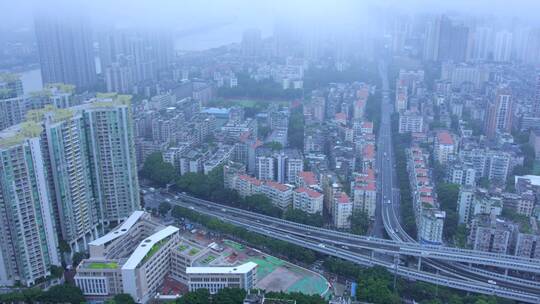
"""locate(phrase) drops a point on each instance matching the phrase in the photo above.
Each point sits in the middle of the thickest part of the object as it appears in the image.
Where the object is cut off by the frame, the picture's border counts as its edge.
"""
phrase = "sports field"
(274, 274)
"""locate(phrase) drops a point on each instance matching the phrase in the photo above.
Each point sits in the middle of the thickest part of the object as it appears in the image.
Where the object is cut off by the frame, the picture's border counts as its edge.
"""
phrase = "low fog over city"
(194, 152)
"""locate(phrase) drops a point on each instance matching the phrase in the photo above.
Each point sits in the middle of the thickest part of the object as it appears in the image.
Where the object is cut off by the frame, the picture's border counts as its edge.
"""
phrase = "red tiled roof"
(366, 186)
(277, 186)
(342, 198)
(257, 143)
(244, 136)
(427, 199)
(310, 192)
(363, 92)
(341, 116)
(445, 138)
(367, 124)
(368, 152)
(250, 179)
(308, 177)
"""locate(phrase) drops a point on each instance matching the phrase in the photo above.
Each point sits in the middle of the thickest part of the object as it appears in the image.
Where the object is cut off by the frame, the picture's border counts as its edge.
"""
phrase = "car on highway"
(321, 245)
(191, 207)
(344, 247)
(492, 282)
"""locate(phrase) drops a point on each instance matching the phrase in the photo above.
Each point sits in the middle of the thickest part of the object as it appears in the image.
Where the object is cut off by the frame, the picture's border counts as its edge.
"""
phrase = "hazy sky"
(188, 13)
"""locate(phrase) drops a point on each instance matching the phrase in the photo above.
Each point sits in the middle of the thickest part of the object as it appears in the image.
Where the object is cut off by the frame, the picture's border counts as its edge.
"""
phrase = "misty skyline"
(262, 14)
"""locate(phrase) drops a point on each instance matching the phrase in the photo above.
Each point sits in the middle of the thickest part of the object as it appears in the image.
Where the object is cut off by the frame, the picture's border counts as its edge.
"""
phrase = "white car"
(492, 282)
(321, 245)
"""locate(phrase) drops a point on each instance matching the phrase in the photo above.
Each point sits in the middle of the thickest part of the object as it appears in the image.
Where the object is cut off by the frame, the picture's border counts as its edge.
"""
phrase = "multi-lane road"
(389, 200)
(358, 249)
(374, 250)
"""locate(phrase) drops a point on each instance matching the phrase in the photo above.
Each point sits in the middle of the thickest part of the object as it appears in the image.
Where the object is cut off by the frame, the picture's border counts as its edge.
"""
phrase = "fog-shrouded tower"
(65, 49)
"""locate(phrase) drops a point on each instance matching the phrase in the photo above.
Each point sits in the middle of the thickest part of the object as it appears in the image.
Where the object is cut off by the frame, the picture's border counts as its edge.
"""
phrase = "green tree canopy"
(158, 171)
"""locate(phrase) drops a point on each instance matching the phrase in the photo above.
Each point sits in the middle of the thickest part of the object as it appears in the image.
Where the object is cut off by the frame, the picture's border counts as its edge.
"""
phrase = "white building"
(365, 193)
(444, 147)
(215, 278)
(145, 269)
(308, 200)
(281, 195)
(264, 166)
(342, 211)
(410, 121)
(431, 227)
(464, 204)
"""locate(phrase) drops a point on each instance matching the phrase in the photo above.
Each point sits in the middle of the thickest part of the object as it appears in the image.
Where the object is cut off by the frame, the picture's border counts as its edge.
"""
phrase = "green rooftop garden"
(182, 247)
(208, 259)
(153, 250)
(193, 251)
(28, 129)
(98, 265)
(116, 99)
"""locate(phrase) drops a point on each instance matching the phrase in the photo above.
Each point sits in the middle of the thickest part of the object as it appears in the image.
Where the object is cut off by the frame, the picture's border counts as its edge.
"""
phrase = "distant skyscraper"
(499, 113)
(431, 42)
(503, 46)
(119, 77)
(144, 53)
(445, 41)
(65, 50)
(28, 242)
(251, 42)
(536, 102)
(482, 43)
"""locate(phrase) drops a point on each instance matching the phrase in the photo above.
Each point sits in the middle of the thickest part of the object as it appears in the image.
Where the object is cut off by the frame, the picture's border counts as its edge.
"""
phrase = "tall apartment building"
(29, 245)
(445, 40)
(410, 121)
(57, 95)
(499, 113)
(112, 156)
(12, 110)
(12, 101)
(70, 176)
(465, 204)
(265, 168)
(528, 245)
(10, 85)
(65, 49)
(90, 166)
(365, 193)
(342, 211)
(401, 98)
(444, 147)
(462, 174)
(498, 166)
(431, 226)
